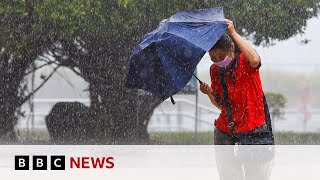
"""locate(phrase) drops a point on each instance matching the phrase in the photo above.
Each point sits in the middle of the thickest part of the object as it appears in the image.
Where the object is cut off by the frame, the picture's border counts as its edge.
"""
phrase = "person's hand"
(205, 88)
(231, 30)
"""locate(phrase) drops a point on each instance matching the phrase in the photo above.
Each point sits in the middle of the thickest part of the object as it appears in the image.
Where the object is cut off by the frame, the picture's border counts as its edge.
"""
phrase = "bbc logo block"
(58, 163)
(21, 162)
(40, 162)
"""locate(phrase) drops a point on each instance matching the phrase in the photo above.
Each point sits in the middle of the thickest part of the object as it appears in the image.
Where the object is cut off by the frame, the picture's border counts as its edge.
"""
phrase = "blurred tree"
(277, 103)
(94, 38)
(20, 45)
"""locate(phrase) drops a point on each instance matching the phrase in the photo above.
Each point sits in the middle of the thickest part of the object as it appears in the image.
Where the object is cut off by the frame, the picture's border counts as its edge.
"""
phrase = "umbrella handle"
(197, 79)
(217, 97)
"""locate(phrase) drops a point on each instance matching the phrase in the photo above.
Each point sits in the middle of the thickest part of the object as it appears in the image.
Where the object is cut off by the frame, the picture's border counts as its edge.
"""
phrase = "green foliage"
(268, 21)
(69, 18)
(277, 103)
(128, 20)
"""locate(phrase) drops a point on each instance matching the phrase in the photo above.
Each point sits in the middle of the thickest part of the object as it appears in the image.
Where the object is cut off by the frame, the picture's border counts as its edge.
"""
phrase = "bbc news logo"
(59, 162)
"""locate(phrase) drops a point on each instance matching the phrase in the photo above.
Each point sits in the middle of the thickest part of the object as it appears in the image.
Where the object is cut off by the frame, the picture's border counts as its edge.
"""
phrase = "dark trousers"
(241, 162)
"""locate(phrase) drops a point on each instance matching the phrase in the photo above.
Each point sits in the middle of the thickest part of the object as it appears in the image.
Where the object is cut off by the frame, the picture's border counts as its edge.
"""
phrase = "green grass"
(297, 138)
(284, 138)
(189, 138)
(182, 138)
(36, 137)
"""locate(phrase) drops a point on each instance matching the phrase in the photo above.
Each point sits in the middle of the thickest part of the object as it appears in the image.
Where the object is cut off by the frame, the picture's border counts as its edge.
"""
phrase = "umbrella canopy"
(163, 63)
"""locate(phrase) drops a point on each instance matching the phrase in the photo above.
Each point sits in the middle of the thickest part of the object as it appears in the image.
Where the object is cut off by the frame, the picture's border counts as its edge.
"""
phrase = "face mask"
(225, 62)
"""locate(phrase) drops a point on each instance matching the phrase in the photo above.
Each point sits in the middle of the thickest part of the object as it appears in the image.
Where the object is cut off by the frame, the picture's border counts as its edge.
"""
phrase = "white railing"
(181, 117)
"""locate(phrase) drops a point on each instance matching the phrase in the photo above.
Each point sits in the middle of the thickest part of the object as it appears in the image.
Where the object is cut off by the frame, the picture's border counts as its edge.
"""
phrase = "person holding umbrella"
(164, 62)
(241, 64)
(236, 90)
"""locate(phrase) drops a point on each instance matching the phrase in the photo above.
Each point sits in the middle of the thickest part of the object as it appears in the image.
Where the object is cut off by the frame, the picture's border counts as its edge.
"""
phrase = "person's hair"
(223, 43)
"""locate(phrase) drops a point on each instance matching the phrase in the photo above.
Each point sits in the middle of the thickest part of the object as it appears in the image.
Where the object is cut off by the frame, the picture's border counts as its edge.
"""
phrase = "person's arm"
(249, 52)
(205, 89)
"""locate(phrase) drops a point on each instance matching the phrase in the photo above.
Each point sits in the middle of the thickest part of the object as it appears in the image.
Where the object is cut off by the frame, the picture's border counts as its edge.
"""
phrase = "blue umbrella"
(163, 63)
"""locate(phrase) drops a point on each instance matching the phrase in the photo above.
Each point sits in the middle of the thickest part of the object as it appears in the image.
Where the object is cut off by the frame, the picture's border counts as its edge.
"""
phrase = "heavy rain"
(64, 67)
